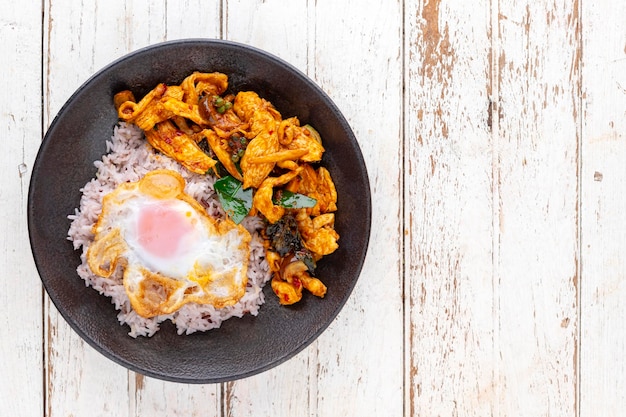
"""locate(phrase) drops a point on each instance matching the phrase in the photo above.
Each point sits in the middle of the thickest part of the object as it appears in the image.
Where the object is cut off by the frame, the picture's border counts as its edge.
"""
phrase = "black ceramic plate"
(76, 138)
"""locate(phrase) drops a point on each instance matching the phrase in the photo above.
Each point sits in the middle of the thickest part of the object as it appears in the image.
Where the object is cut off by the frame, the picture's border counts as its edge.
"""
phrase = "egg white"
(209, 265)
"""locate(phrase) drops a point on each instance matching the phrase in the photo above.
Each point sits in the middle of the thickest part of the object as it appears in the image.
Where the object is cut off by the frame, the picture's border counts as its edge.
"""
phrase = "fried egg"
(171, 251)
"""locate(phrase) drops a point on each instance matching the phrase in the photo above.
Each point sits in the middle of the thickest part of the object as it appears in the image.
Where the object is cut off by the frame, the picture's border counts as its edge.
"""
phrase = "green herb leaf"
(292, 200)
(236, 201)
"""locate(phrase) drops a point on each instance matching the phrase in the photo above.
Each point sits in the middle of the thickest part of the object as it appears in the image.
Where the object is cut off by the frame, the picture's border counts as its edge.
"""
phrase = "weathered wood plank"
(153, 397)
(280, 28)
(603, 240)
(449, 210)
(357, 60)
(537, 257)
(493, 248)
(193, 19)
(21, 384)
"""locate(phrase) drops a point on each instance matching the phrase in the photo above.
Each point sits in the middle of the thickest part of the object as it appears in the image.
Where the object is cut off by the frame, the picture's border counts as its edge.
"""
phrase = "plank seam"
(579, 185)
(494, 126)
(403, 221)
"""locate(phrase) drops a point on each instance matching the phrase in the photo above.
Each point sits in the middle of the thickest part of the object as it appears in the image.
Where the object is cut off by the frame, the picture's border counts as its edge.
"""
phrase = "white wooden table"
(495, 139)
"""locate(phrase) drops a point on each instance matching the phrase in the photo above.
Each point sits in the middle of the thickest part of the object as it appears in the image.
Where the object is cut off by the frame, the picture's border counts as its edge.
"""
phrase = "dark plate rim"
(67, 315)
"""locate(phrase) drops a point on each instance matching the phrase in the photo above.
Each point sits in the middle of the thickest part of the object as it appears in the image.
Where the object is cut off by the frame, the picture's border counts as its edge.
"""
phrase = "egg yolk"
(161, 229)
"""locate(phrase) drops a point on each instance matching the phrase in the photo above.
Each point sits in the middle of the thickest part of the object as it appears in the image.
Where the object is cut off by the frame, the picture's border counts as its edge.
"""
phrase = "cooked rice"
(129, 157)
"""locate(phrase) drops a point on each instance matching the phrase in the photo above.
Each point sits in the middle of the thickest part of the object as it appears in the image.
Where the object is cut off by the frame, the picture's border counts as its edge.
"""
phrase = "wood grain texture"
(358, 62)
(280, 28)
(494, 224)
(449, 210)
(20, 298)
(538, 128)
(603, 179)
(493, 133)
